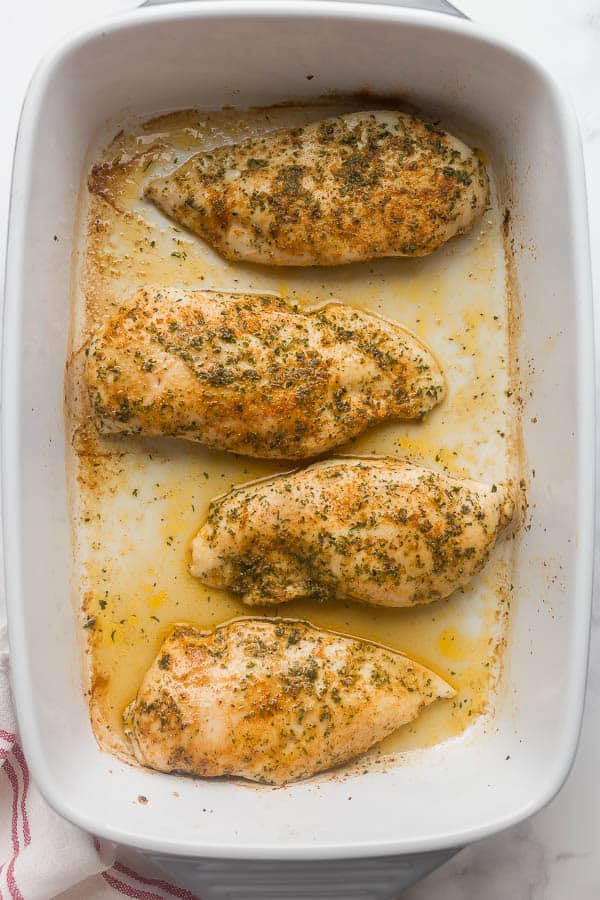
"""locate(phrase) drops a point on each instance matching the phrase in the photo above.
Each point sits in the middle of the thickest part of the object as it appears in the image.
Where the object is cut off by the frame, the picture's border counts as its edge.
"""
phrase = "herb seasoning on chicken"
(378, 530)
(249, 374)
(271, 700)
(351, 188)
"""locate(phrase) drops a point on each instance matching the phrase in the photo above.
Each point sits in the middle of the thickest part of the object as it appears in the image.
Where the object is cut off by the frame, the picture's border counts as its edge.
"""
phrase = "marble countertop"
(556, 854)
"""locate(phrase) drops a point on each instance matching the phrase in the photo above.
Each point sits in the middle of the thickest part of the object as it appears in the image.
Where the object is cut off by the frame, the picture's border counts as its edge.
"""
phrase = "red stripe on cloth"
(156, 882)
(8, 735)
(15, 893)
(12, 777)
(128, 890)
(21, 759)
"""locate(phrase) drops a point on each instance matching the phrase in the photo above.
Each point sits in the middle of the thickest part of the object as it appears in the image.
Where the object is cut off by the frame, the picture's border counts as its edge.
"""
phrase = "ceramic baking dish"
(255, 52)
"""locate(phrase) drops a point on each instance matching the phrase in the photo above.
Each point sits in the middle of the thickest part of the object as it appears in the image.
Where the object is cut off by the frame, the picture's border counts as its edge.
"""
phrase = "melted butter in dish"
(139, 501)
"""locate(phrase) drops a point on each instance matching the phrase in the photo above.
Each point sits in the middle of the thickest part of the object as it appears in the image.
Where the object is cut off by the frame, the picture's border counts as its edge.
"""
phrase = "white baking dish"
(256, 52)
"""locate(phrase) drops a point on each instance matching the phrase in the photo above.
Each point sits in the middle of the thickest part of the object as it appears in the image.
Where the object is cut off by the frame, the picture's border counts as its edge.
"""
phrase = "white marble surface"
(555, 855)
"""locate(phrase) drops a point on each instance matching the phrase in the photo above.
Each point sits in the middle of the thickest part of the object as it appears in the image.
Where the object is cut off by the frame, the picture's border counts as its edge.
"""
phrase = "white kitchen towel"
(42, 856)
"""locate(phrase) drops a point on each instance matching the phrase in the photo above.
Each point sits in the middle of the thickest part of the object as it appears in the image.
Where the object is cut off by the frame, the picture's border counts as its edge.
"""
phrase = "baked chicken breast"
(351, 188)
(250, 374)
(377, 530)
(271, 700)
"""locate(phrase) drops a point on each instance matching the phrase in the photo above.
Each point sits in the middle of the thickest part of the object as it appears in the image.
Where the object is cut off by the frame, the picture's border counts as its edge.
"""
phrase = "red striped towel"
(42, 856)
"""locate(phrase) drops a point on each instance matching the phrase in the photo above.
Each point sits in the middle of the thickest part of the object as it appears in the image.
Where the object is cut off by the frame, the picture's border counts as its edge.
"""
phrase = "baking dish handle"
(440, 6)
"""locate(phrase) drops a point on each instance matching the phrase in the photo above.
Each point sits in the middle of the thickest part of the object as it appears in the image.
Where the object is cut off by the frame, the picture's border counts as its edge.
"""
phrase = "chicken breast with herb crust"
(378, 530)
(350, 188)
(250, 374)
(271, 700)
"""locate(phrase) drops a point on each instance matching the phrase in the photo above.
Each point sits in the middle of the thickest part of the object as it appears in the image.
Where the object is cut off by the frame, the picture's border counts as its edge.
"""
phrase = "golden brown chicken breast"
(271, 700)
(377, 530)
(250, 374)
(346, 189)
